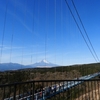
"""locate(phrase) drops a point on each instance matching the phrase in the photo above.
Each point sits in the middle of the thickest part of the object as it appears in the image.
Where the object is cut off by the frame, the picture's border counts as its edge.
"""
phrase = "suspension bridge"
(51, 91)
(53, 30)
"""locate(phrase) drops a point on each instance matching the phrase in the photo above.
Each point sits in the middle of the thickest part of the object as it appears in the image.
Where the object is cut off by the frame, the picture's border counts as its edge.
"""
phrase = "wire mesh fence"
(52, 90)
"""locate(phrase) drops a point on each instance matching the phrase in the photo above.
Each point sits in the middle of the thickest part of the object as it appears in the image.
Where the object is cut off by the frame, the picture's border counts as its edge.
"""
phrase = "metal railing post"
(14, 92)
(3, 93)
(33, 91)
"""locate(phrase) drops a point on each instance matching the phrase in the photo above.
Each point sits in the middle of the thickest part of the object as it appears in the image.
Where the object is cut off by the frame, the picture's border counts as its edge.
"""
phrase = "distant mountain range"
(11, 66)
(16, 66)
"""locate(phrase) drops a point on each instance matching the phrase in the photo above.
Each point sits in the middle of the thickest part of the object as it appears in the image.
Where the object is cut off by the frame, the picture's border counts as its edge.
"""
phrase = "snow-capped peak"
(43, 64)
(45, 61)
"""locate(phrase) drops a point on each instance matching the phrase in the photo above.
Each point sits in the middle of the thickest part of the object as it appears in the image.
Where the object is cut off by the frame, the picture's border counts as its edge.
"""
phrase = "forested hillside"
(62, 72)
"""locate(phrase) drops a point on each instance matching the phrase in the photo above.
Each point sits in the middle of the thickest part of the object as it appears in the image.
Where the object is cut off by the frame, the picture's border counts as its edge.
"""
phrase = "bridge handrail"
(64, 83)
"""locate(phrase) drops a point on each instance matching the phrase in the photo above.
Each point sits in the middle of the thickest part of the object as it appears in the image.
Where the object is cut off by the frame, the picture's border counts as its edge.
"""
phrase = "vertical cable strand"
(2, 44)
(55, 38)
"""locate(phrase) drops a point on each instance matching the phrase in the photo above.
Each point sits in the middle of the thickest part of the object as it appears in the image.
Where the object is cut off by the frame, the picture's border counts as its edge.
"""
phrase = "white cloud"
(4, 47)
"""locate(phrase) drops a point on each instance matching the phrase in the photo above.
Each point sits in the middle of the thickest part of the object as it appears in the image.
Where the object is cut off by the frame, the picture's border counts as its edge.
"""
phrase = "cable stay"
(2, 44)
(80, 31)
(85, 30)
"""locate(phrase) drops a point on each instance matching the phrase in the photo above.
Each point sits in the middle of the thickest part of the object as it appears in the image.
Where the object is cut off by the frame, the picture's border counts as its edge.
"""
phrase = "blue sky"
(45, 29)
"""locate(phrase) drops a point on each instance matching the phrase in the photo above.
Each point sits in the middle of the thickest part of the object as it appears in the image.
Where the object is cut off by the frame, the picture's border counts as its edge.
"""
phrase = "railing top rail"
(18, 83)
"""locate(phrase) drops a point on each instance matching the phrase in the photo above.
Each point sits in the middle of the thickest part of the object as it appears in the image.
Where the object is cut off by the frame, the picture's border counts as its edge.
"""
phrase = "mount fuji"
(43, 64)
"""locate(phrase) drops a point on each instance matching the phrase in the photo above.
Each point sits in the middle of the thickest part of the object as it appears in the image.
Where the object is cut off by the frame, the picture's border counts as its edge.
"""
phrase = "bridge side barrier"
(60, 86)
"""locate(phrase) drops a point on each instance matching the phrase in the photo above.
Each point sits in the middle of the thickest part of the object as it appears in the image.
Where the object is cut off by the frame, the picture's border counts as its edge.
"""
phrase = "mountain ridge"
(17, 66)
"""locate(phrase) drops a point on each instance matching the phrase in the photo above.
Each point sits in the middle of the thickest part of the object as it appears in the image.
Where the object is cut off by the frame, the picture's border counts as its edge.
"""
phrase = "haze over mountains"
(16, 66)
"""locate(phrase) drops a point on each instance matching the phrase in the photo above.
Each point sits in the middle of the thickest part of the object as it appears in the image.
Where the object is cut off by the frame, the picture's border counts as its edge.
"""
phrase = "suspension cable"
(62, 34)
(85, 30)
(23, 32)
(46, 28)
(55, 37)
(46, 33)
(32, 31)
(2, 44)
(80, 30)
(12, 37)
(38, 26)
